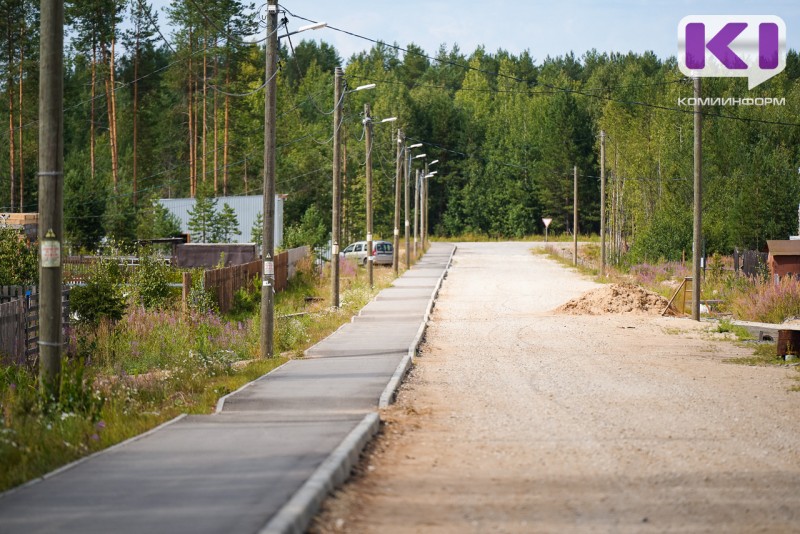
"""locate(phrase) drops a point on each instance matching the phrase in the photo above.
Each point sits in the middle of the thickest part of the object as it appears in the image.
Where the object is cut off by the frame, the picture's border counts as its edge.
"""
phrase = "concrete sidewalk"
(267, 458)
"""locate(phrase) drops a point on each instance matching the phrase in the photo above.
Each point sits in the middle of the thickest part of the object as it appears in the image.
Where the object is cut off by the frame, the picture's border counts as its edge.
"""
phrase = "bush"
(101, 297)
(151, 282)
(19, 261)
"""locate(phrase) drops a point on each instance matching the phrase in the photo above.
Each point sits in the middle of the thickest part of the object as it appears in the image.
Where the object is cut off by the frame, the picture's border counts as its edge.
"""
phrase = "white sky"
(543, 27)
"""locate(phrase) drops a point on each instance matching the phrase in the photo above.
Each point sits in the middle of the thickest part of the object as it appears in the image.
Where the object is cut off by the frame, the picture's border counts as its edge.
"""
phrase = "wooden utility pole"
(406, 211)
(51, 202)
(397, 180)
(337, 178)
(697, 233)
(416, 212)
(423, 214)
(368, 147)
(575, 217)
(602, 202)
(268, 237)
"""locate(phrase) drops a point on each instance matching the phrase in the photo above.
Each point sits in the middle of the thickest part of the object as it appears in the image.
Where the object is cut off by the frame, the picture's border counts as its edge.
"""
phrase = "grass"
(129, 376)
(726, 326)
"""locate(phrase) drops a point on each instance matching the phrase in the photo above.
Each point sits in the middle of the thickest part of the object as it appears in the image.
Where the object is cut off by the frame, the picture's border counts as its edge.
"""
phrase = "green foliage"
(200, 299)
(155, 221)
(225, 225)
(102, 297)
(203, 219)
(19, 259)
(257, 231)
(311, 231)
(667, 237)
(151, 281)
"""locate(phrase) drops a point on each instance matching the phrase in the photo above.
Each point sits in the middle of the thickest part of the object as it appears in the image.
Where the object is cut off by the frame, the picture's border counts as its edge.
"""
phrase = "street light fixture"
(338, 98)
(267, 326)
(301, 29)
(368, 123)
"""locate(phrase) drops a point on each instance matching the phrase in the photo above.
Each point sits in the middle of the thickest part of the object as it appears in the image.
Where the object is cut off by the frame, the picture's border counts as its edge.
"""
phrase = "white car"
(382, 252)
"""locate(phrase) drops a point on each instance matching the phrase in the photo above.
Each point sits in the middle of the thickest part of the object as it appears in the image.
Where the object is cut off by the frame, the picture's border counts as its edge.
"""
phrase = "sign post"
(546, 221)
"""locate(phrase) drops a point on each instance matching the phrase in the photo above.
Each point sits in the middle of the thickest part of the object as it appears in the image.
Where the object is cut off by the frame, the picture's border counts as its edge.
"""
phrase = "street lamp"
(338, 98)
(417, 200)
(407, 209)
(368, 123)
(267, 326)
(424, 200)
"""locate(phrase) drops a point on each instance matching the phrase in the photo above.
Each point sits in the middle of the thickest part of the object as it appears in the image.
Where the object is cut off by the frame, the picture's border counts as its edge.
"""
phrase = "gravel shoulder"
(518, 419)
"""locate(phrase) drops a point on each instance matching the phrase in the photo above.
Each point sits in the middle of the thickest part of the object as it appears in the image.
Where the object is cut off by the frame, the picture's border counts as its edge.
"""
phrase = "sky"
(544, 28)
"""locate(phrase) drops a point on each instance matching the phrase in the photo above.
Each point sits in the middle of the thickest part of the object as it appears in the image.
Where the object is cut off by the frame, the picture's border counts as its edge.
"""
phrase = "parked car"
(382, 252)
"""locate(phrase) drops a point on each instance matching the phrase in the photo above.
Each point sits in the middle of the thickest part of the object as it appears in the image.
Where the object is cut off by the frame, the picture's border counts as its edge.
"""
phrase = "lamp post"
(407, 210)
(425, 210)
(268, 229)
(336, 212)
(399, 170)
(417, 203)
(368, 122)
(424, 213)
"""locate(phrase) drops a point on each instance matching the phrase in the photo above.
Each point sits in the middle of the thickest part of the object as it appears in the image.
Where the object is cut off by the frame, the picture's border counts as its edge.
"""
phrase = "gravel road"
(517, 419)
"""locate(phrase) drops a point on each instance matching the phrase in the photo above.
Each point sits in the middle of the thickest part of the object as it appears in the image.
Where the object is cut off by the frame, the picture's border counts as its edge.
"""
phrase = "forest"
(169, 105)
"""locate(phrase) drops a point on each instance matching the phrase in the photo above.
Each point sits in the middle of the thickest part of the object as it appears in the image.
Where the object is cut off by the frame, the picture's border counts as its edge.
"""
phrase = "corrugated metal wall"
(247, 209)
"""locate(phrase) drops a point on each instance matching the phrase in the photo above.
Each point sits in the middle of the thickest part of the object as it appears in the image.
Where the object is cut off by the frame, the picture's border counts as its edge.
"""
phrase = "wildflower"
(100, 425)
(94, 437)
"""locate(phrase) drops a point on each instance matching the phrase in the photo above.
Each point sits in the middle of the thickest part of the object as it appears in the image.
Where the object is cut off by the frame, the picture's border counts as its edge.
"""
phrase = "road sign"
(546, 221)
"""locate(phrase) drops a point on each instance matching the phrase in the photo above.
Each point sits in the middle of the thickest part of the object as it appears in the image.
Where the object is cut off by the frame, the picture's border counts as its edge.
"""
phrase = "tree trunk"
(136, 59)
(216, 133)
(12, 152)
(93, 93)
(10, 88)
(190, 105)
(203, 135)
(225, 135)
(112, 119)
(21, 147)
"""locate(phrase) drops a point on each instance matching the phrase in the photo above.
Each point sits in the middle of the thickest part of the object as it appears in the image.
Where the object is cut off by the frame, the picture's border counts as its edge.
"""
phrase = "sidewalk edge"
(295, 516)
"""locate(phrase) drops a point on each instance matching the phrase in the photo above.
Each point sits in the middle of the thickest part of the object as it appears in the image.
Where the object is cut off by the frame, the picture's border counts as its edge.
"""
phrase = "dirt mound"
(615, 298)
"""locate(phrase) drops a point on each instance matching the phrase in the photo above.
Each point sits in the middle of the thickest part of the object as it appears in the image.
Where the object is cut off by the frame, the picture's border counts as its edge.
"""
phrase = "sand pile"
(615, 298)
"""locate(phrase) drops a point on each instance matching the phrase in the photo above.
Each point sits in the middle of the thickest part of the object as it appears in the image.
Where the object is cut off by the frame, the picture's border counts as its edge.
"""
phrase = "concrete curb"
(295, 516)
(79, 461)
(390, 392)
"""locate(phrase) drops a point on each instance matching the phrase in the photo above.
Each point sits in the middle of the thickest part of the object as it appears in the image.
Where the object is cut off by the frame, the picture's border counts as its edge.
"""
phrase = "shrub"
(19, 262)
(101, 297)
(151, 282)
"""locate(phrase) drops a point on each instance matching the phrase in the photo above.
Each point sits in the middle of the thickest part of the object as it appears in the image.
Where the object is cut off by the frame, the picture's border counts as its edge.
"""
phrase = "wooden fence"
(225, 282)
(19, 323)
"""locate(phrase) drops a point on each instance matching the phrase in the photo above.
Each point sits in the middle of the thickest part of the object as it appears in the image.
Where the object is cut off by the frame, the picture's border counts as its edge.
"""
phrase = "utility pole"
(416, 212)
(423, 215)
(368, 142)
(602, 202)
(406, 210)
(51, 200)
(337, 178)
(575, 218)
(697, 233)
(397, 180)
(268, 237)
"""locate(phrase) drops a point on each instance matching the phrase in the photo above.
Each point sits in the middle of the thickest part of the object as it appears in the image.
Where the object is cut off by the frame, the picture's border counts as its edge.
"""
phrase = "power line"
(552, 87)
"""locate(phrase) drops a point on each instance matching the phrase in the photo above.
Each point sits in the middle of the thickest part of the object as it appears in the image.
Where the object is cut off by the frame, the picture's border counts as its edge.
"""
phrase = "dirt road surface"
(517, 419)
